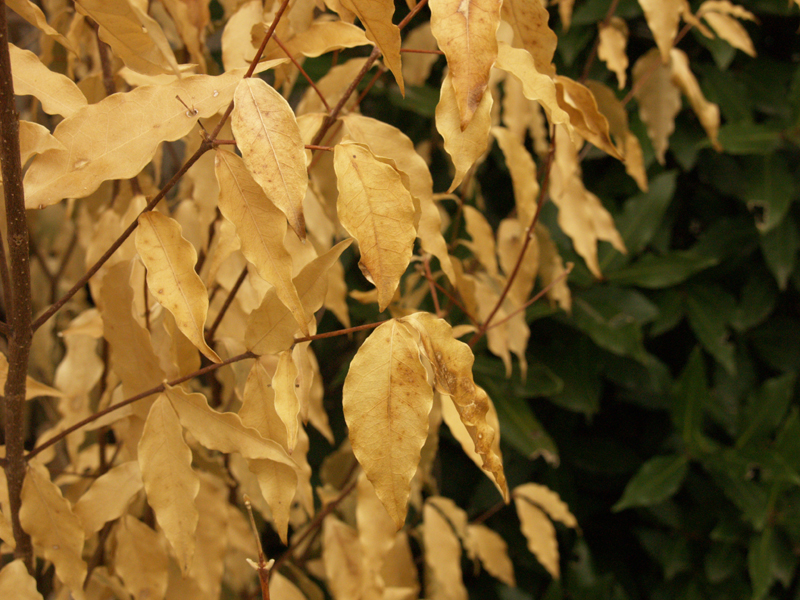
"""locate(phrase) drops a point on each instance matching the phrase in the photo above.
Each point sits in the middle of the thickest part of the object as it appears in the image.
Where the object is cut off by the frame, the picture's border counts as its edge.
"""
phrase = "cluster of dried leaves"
(136, 485)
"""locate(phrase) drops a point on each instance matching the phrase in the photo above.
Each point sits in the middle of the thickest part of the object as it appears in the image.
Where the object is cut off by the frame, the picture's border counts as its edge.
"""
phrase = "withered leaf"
(170, 261)
(266, 131)
(141, 559)
(493, 553)
(386, 400)
(57, 93)
(261, 228)
(169, 481)
(341, 553)
(659, 99)
(16, 582)
(287, 404)
(540, 533)
(466, 32)
(529, 18)
(442, 555)
(109, 496)
(378, 211)
(663, 17)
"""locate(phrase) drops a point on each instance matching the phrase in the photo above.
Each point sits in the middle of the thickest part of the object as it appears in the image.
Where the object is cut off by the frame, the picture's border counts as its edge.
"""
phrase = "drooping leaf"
(483, 246)
(376, 16)
(719, 14)
(169, 481)
(663, 17)
(451, 361)
(581, 106)
(465, 146)
(58, 94)
(659, 99)
(386, 400)
(34, 15)
(548, 501)
(170, 261)
(261, 229)
(540, 533)
(612, 48)
(116, 137)
(33, 388)
(341, 553)
(378, 211)
(287, 404)
(266, 131)
(55, 531)
(134, 35)
(466, 32)
(529, 18)
(442, 555)
(492, 550)
(376, 533)
(141, 558)
(523, 173)
(225, 432)
(707, 112)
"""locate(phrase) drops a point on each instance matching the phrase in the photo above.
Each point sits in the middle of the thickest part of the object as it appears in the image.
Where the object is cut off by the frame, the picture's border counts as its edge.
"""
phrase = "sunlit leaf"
(266, 131)
(57, 93)
(663, 17)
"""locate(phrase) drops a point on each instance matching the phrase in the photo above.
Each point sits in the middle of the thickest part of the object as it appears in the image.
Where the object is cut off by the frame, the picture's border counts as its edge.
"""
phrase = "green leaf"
(658, 479)
(709, 309)
(760, 557)
(654, 272)
(787, 444)
(670, 311)
(770, 191)
(749, 138)
(766, 407)
(576, 361)
(691, 395)
(758, 299)
(779, 246)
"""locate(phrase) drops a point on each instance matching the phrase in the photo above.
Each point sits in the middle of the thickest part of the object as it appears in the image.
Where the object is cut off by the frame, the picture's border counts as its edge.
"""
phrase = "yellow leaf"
(565, 12)
(237, 49)
(482, 239)
(581, 215)
(579, 102)
(33, 389)
(118, 136)
(376, 16)
(140, 559)
(287, 404)
(730, 30)
(341, 553)
(399, 570)
(663, 17)
(378, 211)
(540, 533)
(387, 141)
(261, 228)
(612, 48)
(707, 112)
(108, 498)
(266, 132)
(386, 400)
(17, 583)
(323, 37)
(54, 529)
(191, 18)
(493, 552)
(171, 277)
(333, 86)
(34, 15)
(258, 401)
(280, 587)
(510, 238)
(523, 173)
(451, 361)
(535, 85)
(659, 100)
(457, 518)
(466, 31)
(57, 93)
(442, 555)
(530, 18)
(376, 533)
(548, 501)
(465, 146)
(169, 481)
(225, 433)
(270, 327)
(134, 36)
(212, 539)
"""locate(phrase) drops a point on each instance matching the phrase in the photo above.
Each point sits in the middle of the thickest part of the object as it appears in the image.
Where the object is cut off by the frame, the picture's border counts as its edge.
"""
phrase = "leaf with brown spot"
(530, 18)
(466, 31)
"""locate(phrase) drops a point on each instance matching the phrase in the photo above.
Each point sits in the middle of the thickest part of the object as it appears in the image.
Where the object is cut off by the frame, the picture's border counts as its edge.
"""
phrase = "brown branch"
(4, 329)
(330, 334)
(544, 184)
(103, 50)
(455, 301)
(324, 148)
(426, 261)
(302, 72)
(226, 305)
(62, 266)
(5, 278)
(418, 51)
(315, 523)
(19, 313)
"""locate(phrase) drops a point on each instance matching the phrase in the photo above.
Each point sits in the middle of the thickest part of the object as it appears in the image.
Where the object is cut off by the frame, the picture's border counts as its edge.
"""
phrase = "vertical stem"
(19, 315)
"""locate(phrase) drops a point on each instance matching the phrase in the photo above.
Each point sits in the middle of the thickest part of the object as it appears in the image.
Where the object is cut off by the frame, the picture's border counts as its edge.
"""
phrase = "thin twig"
(540, 202)
(418, 51)
(593, 54)
(231, 295)
(302, 72)
(426, 260)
